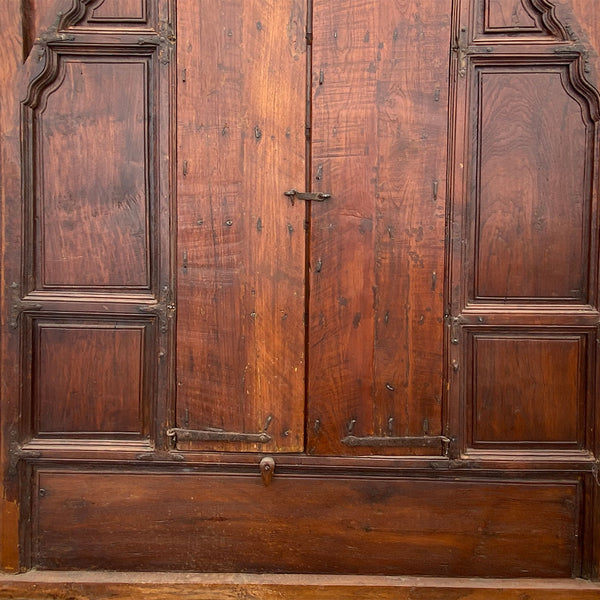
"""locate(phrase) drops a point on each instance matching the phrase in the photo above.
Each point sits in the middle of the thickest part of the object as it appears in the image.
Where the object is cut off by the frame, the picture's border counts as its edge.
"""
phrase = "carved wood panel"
(123, 11)
(524, 247)
(532, 235)
(91, 155)
(95, 222)
(529, 389)
(91, 378)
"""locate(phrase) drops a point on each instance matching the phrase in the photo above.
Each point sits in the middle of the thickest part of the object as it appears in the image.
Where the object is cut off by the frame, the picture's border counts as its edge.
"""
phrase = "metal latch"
(307, 196)
(178, 434)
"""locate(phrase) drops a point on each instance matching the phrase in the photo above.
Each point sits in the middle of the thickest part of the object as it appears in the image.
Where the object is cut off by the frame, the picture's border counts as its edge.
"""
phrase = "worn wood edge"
(83, 585)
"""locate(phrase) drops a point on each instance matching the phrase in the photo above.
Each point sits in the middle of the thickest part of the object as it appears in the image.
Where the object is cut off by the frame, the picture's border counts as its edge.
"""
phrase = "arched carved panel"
(87, 111)
(129, 11)
(532, 234)
(533, 18)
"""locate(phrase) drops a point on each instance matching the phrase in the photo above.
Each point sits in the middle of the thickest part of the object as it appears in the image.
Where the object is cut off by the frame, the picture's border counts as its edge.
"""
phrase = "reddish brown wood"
(508, 14)
(529, 390)
(240, 251)
(379, 139)
(120, 10)
(532, 234)
(89, 379)
(122, 106)
(161, 586)
(11, 53)
(305, 525)
(94, 228)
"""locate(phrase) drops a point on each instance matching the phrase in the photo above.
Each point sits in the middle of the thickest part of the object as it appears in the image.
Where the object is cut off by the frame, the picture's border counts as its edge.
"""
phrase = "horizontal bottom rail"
(80, 585)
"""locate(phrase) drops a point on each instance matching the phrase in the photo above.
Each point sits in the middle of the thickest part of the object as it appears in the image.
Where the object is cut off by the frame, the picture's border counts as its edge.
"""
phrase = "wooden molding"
(130, 586)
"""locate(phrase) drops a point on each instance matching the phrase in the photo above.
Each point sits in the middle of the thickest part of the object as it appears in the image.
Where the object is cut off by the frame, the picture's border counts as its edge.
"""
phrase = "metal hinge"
(164, 41)
(461, 47)
(214, 434)
(426, 441)
(178, 434)
(164, 309)
(18, 306)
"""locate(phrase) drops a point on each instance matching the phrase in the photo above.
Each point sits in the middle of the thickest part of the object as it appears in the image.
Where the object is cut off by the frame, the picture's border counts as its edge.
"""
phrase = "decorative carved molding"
(547, 13)
(541, 13)
(78, 11)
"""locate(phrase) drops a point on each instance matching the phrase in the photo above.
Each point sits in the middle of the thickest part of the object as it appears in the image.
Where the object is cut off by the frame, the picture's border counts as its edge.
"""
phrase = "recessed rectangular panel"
(510, 15)
(532, 186)
(303, 524)
(88, 379)
(93, 176)
(529, 390)
(119, 10)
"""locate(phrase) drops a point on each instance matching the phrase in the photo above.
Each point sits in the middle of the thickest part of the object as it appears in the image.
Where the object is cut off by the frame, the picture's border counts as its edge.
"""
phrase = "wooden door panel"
(377, 247)
(524, 235)
(301, 524)
(240, 259)
(124, 11)
(90, 378)
(89, 306)
(93, 230)
(529, 389)
(532, 219)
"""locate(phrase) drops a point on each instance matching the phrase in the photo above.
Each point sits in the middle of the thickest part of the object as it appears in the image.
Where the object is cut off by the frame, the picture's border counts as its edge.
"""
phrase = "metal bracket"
(427, 441)
(164, 41)
(461, 47)
(165, 308)
(18, 306)
(178, 434)
(294, 195)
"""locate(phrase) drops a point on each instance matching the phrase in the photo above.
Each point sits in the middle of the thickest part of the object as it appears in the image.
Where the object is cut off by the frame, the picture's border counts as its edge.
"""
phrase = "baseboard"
(83, 585)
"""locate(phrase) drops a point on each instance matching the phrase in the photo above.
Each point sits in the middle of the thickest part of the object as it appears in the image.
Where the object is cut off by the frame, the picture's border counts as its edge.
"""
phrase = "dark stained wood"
(11, 55)
(360, 525)
(93, 229)
(379, 143)
(240, 252)
(120, 10)
(529, 390)
(140, 128)
(89, 379)
(532, 218)
(523, 274)
(161, 586)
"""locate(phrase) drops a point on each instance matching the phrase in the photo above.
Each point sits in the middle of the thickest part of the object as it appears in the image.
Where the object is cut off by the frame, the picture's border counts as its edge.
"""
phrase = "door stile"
(308, 155)
(10, 192)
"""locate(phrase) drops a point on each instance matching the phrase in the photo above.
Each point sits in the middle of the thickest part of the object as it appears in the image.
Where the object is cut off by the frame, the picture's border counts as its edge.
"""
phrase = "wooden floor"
(36, 585)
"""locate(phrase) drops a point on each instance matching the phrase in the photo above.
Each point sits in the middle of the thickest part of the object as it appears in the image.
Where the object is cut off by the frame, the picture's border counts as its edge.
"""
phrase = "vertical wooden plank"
(240, 262)
(377, 247)
(10, 194)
